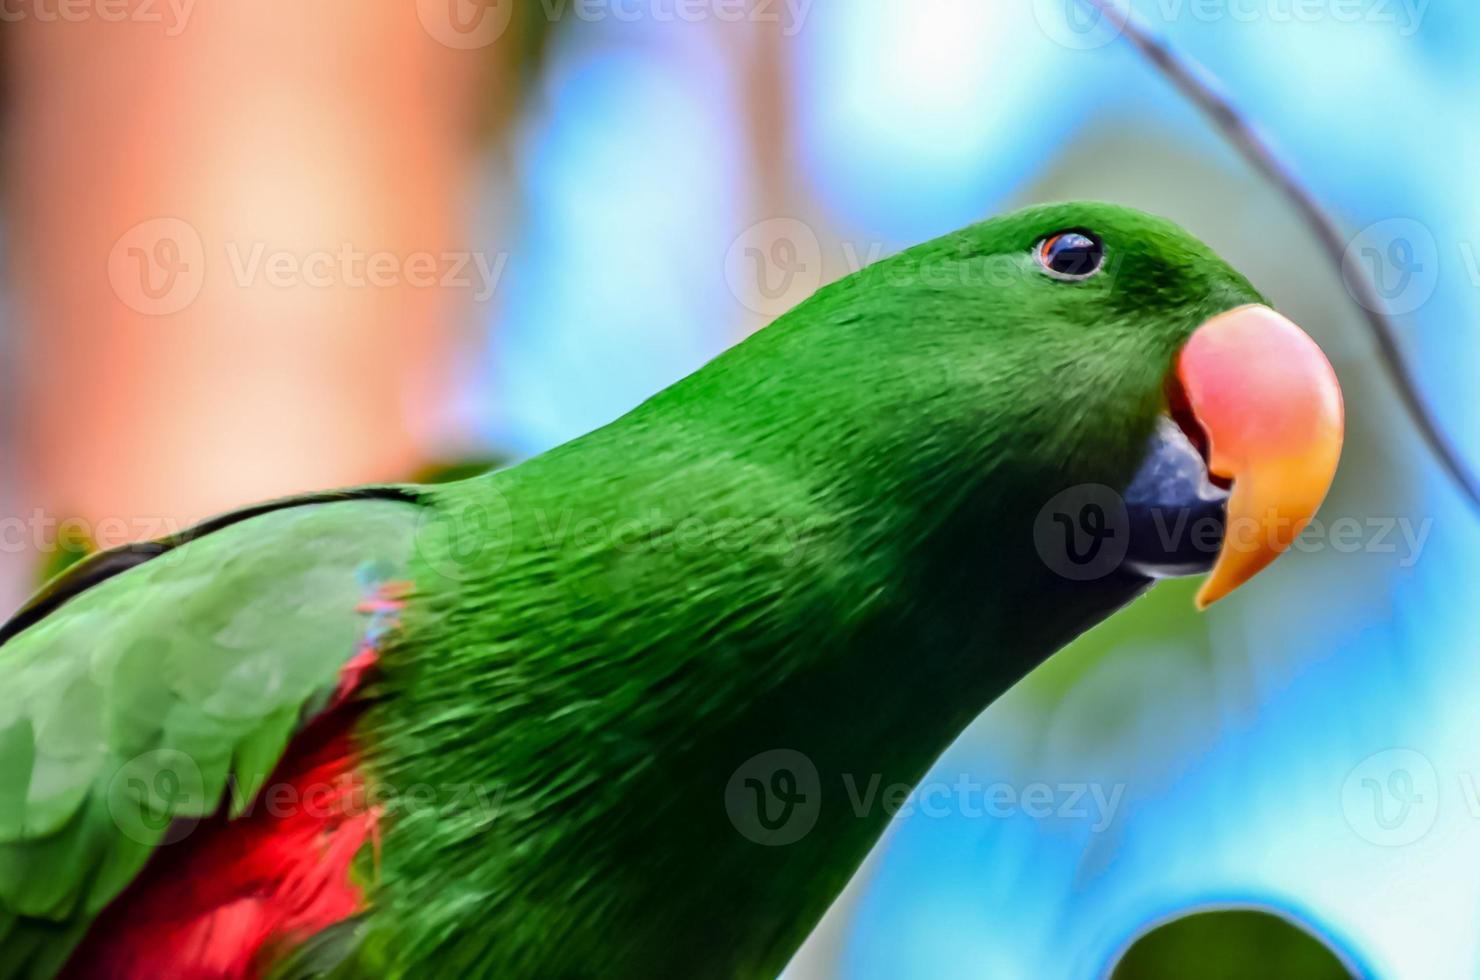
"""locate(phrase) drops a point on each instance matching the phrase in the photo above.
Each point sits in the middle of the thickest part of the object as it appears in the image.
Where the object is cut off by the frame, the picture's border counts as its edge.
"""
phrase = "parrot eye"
(1071, 255)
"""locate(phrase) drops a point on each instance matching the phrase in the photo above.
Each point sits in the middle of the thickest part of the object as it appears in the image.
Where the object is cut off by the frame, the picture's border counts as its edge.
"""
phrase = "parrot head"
(1249, 426)
(989, 372)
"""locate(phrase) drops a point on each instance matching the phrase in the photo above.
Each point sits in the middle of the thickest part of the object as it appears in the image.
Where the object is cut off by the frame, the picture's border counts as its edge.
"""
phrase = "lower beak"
(1269, 405)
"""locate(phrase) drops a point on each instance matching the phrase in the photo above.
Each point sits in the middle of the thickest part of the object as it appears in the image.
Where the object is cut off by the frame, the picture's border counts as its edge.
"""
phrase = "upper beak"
(1268, 402)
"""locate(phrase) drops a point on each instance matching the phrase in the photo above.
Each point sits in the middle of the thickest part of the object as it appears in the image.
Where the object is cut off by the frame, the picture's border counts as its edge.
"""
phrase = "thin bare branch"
(1198, 85)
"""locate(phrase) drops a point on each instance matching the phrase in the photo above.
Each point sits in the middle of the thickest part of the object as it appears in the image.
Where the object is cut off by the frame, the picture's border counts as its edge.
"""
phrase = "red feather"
(232, 897)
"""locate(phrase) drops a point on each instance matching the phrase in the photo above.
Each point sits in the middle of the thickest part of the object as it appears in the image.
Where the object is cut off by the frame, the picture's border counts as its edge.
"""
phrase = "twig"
(1198, 85)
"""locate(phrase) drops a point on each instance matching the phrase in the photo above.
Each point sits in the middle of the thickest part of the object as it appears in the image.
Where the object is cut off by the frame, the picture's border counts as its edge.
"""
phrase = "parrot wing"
(161, 683)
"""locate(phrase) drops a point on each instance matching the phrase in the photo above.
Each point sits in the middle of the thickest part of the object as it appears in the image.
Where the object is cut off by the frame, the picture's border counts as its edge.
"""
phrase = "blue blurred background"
(658, 178)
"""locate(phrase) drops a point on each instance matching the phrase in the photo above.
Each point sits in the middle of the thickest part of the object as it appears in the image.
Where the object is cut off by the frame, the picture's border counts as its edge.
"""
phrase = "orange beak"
(1268, 401)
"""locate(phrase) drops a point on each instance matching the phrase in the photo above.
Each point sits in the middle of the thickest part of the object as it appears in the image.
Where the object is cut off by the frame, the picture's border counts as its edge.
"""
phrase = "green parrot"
(594, 714)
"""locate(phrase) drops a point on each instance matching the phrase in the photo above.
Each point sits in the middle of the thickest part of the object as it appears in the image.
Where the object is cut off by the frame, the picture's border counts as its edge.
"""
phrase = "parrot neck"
(678, 671)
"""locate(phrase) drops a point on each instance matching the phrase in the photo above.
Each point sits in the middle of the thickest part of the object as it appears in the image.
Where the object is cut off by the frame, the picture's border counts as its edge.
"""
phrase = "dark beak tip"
(1176, 515)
